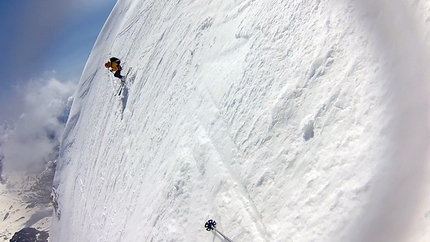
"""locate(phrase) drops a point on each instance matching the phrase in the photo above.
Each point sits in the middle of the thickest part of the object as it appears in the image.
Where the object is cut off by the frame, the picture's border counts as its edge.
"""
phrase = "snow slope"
(271, 117)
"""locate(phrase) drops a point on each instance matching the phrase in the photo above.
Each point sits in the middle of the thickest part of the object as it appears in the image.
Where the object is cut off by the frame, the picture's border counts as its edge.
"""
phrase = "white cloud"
(34, 136)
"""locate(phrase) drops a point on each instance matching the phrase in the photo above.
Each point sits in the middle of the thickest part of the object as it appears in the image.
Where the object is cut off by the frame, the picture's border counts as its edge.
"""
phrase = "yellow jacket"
(115, 67)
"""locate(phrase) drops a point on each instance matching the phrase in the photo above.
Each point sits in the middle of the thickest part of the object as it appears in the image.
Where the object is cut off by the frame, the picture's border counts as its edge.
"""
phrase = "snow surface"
(24, 203)
(271, 117)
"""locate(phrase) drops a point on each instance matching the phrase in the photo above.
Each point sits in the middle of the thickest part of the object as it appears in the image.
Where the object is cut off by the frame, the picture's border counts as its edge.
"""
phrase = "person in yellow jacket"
(114, 65)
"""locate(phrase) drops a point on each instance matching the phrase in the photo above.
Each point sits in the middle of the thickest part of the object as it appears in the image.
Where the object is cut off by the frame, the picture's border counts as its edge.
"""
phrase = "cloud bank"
(45, 35)
(33, 139)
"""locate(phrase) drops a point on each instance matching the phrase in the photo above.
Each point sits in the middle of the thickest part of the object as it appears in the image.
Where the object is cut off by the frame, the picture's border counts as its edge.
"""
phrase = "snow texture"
(274, 118)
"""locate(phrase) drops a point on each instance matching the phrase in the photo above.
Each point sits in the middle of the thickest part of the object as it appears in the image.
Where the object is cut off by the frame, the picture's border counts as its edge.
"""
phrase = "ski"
(123, 84)
(128, 72)
(121, 87)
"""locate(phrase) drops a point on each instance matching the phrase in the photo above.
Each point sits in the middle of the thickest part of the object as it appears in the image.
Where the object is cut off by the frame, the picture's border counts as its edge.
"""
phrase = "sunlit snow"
(273, 118)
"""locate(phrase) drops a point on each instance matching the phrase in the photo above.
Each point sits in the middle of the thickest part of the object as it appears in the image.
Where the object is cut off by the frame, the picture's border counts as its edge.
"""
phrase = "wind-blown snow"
(271, 117)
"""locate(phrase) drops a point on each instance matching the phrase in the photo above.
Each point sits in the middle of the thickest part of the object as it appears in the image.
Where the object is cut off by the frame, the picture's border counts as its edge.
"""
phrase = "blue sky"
(42, 40)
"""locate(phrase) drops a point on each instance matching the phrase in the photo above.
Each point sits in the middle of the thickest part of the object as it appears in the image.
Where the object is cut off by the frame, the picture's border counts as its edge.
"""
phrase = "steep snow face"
(270, 117)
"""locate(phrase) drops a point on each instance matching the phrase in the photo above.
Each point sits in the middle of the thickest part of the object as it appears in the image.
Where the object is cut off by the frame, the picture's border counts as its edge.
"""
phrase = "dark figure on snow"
(114, 65)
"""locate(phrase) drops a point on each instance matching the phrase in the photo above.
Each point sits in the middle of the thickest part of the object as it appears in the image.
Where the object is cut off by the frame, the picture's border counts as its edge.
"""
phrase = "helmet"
(107, 64)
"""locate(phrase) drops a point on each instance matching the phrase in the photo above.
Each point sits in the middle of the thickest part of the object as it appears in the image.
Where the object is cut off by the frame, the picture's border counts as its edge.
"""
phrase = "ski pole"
(211, 225)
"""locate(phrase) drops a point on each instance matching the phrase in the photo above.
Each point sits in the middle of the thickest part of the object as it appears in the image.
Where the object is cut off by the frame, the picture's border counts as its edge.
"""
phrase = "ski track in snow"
(266, 116)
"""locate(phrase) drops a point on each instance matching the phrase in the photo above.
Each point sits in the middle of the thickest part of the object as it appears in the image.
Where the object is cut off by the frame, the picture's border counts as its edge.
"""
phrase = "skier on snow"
(114, 65)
